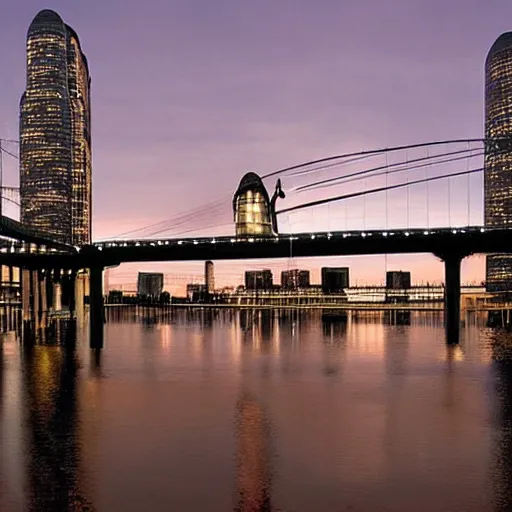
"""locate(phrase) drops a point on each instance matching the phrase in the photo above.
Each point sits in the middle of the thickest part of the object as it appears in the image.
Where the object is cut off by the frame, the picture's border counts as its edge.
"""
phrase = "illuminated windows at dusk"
(55, 138)
(498, 158)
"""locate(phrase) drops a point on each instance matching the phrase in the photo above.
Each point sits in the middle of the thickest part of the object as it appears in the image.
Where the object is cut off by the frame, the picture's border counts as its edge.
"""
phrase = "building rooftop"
(503, 42)
(46, 17)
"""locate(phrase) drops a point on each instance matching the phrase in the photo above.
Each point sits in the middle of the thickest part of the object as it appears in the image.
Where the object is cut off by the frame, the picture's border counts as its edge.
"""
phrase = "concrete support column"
(96, 318)
(35, 295)
(44, 298)
(452, 297)
(79, 297)
(25, 294)
(72, 293)
(57, 296)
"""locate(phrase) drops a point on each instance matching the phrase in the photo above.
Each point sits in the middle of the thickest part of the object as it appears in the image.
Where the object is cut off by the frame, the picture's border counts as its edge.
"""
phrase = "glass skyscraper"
(55, 133)
(498, 157)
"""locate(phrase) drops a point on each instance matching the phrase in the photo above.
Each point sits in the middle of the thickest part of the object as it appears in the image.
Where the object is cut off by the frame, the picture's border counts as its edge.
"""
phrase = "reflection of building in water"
(502, 415)
(253, 457)
(51, 426)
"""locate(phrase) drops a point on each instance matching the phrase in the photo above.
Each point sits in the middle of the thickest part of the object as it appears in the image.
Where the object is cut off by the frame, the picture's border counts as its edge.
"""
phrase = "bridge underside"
(13, 235)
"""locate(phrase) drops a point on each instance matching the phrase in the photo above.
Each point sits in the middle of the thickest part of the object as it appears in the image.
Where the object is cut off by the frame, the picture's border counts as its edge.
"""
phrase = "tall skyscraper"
(55, 133)
(498, 157)
(209, 277)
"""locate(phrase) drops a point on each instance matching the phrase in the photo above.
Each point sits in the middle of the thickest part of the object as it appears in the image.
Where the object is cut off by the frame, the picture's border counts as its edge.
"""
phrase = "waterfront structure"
(294, 278)
(196, 292)
(150, 284)
(55, 133)
(498, 157)
(335, 279)
(398, 280)
(259, 280)
(209, 277)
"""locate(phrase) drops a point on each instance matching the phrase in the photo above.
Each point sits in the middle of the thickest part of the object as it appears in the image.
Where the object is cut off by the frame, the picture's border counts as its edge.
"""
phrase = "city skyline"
(55, 133)
(275, 122)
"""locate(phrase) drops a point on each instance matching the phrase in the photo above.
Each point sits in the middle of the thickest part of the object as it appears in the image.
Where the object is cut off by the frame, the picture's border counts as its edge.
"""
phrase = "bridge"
(256, 228)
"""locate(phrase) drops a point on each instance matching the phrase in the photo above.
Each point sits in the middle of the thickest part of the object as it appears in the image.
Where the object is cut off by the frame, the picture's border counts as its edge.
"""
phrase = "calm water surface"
(257, 411)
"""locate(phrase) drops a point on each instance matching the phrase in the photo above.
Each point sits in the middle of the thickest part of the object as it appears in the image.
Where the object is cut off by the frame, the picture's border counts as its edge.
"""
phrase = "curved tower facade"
(55, 147)
(498, 158)
(251, 207)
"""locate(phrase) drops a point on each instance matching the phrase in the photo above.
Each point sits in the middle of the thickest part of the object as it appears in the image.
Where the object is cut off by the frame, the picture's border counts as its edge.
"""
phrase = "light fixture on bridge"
(363, 235)
(384, 233)
(213, 241)
(137, 244)
(180, 242)
(425, 232)
(232, 240)
(407, 233)
(166, 242)
(454, 231)
(482, 230)
(195, 242)
(313, 237)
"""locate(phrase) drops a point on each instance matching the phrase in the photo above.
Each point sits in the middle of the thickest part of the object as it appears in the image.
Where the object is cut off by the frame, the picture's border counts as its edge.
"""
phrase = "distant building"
(150, 284)
(398, 280)
(498, 156)
(209, 277)
(335, 279)
(55, 133)
(196, 292)
(294, 278)
(258, 280)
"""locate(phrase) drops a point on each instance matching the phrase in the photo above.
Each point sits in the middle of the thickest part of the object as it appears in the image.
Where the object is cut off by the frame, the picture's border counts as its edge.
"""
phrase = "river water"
(257, 411)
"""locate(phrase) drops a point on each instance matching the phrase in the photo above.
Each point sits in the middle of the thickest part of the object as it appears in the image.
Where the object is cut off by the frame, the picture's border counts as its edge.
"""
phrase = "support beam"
(35, 296)
(96, 318)
(72, 294)
(452, 297)
(25, 294)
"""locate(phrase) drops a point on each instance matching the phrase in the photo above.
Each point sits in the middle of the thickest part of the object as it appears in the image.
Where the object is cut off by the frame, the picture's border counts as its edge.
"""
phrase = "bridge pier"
(452, 262)
(96, 318)
(452, 297)
(25, 294)
(35, 297)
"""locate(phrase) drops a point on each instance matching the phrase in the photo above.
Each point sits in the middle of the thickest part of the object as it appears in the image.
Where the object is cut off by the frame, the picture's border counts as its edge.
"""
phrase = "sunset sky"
(188, 95)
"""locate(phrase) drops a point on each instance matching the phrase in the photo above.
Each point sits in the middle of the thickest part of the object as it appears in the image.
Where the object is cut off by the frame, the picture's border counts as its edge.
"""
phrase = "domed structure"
(251, 207)
(254, 211)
